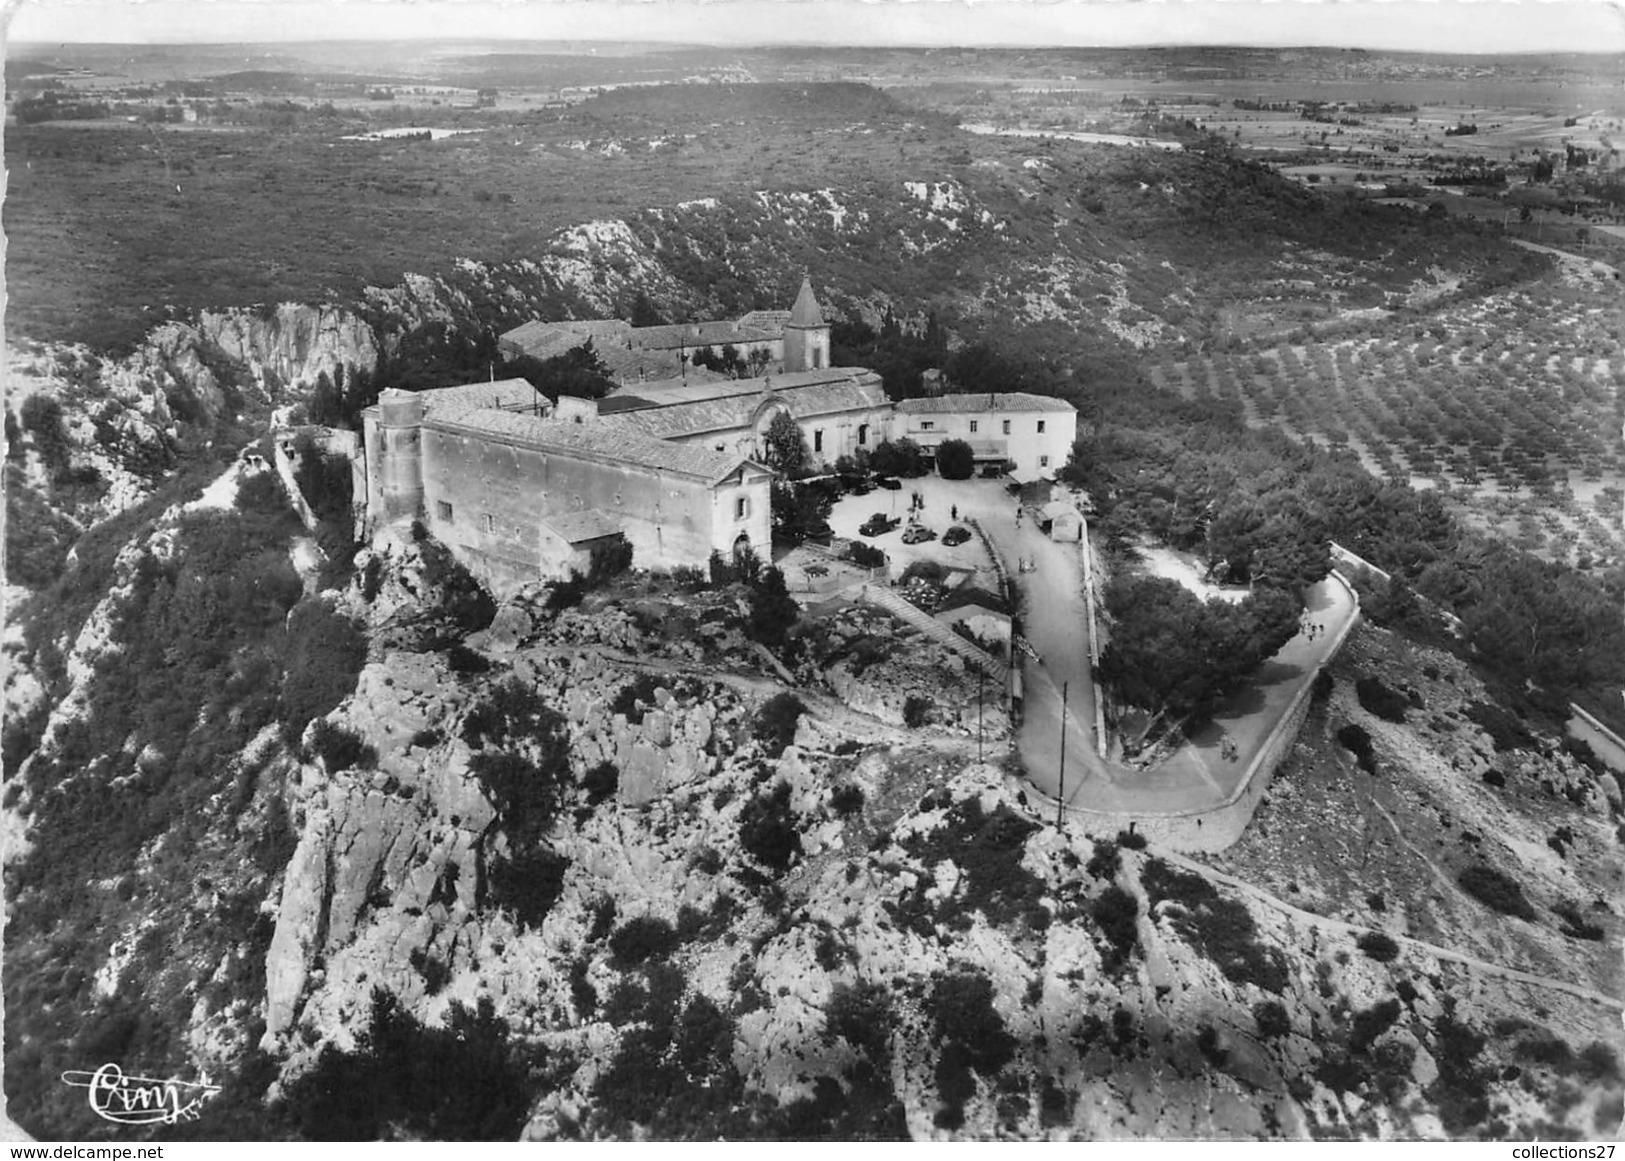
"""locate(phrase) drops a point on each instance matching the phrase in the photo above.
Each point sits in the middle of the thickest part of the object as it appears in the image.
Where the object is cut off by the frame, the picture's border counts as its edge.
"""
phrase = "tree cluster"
(1174, 654)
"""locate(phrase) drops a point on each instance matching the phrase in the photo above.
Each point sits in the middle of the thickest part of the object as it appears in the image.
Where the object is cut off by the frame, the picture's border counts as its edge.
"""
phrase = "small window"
(1007, 427)
(1043, 461)
(927, 425)
(443, 509)
(490, 522)
(1040, 427)
(818, 440)
(863, 434)
(973, 425)
(741, 507)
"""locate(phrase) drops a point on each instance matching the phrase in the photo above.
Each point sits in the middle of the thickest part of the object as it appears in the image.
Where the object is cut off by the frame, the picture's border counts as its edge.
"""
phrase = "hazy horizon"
(1451, 27)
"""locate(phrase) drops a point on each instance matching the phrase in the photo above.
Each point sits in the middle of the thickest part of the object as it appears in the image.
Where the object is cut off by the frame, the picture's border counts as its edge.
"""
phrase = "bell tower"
(806, 335)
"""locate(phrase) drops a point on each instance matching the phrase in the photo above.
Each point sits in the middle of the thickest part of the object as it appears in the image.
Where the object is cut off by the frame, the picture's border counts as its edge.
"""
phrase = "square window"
(443, 510)
(927, 425)
(1040, 426)
(1043, 461)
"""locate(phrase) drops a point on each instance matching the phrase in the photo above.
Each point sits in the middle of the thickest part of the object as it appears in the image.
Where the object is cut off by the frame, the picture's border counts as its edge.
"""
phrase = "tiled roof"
(980, 402)
(805, 312)
(821, 397)
(677, 336)
(766, 320)
(606, 442)
(503, 393)
(575, 527)
(545, 339)
(665, 392)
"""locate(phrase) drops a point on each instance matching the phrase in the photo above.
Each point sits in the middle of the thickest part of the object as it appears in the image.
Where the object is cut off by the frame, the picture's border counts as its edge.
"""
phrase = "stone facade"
(520, 496)
(1035, 432)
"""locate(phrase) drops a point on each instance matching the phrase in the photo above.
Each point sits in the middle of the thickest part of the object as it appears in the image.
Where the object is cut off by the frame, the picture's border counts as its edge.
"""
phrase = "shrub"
(767, 829)
(1575, 925)
(601, 783)
(528, 884)
(526, 796)
(1220, 928)
(865, 555)
(927, 570)
(1116, 912)
(461, 659)
(961, 1007)
(1378, 946)
(641, 939)
(1354, 739)
(1105, 861)
(340, 748)
(915, 709)
(1131, 840)
(632, 696)
(955, 459)
(323, 652)
(772, 609)
(988, 850)
(1380, 701)
(1321, 691)
(1271, 1019)
(608, 560)
(1505, 730)
(861, 1014)
(846, 799)
(1496, 891)
(463, 1081)
(776, 722)
(1370, 1023)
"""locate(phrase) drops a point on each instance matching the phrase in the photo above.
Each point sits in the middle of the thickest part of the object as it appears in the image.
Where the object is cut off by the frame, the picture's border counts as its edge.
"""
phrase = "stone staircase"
(883, 598)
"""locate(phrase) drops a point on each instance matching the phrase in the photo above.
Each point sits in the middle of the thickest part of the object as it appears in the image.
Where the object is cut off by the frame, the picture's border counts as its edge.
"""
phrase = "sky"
(1422, 25)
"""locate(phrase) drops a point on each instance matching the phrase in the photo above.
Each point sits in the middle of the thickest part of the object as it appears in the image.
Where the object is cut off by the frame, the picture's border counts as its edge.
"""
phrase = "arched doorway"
(742, 548)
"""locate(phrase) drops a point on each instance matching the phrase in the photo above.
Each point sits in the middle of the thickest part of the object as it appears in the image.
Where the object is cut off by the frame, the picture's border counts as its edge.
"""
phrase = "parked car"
(877, 525)
(917, 534)
(890, 483)
(958, 534)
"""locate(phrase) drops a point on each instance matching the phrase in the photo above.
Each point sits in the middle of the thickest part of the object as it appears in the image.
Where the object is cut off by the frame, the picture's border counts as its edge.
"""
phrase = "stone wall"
(1606, 744)
(485, 497)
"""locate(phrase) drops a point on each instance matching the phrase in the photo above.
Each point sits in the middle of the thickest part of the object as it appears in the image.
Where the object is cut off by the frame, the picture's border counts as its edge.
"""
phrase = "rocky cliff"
(605, 860)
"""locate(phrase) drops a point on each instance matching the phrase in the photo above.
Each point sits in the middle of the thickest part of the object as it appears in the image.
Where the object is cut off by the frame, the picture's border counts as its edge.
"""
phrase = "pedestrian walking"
(953, 513)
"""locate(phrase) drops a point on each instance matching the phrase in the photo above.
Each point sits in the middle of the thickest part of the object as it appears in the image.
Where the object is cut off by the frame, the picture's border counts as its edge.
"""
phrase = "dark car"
(877, 525)
(890, 483)
(958, 534)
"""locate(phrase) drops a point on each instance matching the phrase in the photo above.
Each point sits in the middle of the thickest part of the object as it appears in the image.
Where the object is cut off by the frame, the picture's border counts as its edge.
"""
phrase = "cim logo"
(140, 1100)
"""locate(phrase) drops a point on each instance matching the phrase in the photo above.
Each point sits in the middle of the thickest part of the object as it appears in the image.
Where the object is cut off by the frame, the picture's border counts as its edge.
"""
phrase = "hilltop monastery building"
(521, 487)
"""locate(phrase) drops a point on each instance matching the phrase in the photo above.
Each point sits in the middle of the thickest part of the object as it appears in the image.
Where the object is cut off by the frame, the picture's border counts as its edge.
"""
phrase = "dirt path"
(1337, 926)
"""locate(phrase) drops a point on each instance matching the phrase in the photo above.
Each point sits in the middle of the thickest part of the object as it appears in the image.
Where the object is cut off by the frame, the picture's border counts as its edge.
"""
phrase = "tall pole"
(981, 683)
(1060, 801)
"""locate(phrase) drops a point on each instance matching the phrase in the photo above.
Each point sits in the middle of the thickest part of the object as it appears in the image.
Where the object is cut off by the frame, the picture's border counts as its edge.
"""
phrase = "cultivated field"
(1512, 404)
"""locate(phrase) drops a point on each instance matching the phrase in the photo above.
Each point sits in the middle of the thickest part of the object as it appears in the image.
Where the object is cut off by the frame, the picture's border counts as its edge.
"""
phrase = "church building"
(522, 487)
